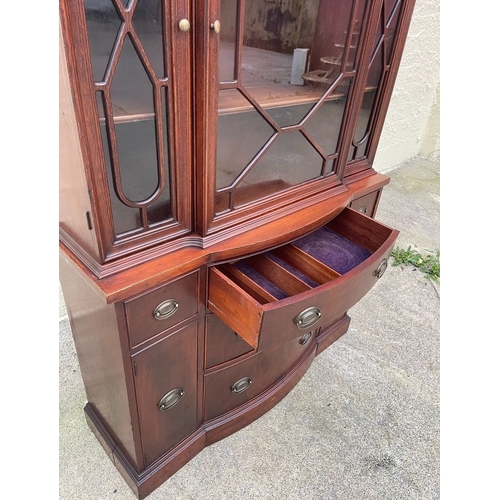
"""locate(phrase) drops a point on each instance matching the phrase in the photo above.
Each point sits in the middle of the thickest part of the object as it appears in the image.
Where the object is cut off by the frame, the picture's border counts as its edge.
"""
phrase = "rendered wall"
(412, 123)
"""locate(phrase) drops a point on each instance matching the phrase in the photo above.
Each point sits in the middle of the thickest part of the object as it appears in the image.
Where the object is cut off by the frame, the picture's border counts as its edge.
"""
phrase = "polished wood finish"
(208, 289)
(141, 321)
(167, 365)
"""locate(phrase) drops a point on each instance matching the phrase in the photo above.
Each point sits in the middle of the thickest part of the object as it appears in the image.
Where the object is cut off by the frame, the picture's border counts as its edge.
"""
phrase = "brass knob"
(184, 25)
(215, 26)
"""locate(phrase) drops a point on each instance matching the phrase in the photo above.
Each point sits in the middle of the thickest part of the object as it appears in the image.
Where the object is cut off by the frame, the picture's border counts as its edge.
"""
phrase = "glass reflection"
(148, 24)
(103, 24)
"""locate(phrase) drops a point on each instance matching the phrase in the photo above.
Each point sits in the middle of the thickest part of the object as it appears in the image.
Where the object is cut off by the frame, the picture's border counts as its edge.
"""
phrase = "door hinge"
(89, 222)
(135, 368)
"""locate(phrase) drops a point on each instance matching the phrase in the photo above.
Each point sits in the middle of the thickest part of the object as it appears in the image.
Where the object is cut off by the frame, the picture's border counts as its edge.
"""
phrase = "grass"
(428, 264)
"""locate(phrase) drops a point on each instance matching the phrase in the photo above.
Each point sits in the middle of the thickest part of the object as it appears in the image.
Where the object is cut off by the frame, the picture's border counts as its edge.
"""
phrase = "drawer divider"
(250, 286)
(278, 275)
(306, 264)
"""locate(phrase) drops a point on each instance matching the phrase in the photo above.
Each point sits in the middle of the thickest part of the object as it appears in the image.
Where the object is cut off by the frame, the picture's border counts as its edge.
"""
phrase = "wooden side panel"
(98, 345)
(74, 201)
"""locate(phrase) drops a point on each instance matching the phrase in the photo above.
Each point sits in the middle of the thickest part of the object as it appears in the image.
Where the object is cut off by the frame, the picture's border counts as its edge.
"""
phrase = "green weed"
(428, 264)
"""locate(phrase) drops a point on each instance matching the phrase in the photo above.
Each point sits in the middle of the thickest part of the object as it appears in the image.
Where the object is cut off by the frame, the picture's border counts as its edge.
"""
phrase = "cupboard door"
(284, 77)
(139, 141)
(166, 391)
(392, 23)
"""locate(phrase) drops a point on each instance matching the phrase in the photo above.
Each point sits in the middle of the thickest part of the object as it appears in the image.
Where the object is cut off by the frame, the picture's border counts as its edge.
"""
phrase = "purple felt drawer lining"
(330, 248)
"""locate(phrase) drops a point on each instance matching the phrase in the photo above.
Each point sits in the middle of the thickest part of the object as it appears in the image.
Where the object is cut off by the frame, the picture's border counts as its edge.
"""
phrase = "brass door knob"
(215, 26)
(184, 25)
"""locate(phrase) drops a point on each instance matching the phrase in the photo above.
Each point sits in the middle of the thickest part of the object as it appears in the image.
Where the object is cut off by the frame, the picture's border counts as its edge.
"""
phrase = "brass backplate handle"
(307, 318)
(241, 385)
(166, 309)
(379, 272)
(170, 399)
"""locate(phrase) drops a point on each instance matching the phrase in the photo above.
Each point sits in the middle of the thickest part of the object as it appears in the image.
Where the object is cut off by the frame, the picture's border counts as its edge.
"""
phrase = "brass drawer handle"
(170, 399)
(305, 338)
(307, 318)
(379, 272)
(241, 385)
(166, 309)
(363, 210)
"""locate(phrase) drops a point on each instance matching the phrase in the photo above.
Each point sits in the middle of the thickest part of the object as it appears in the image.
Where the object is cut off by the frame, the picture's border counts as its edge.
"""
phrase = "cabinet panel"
(167, 371)
(162, 308)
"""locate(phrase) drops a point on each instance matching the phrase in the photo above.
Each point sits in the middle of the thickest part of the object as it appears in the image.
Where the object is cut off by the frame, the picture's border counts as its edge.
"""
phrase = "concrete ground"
(362, 424)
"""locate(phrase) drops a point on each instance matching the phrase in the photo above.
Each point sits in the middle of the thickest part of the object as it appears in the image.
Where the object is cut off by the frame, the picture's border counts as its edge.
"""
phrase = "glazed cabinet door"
(166, 387)
(283, 77)
(131, 77)
(385, 50)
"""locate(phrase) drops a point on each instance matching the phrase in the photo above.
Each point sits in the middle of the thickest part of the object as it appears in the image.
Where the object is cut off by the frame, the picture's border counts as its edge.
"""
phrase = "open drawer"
(304, 285)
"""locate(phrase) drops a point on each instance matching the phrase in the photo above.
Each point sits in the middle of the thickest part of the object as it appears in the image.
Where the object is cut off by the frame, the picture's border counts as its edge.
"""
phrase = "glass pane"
(240, 136)
(272, 34)
(103, 24)
(132, 94)
(161, 209)
(228, 18)
(131, 89)
(137, 157)
(124, 218)
(290, 160)
(354, 43)
(148, 24)
(392, 23)
(290, 115)
(367, 108)
(325, 124)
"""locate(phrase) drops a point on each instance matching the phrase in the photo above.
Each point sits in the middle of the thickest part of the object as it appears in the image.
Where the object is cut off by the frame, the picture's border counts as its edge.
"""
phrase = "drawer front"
(221, 343)
(162, 308)
(166, 387)
(367, 204)
(304, 285)
(230, 387)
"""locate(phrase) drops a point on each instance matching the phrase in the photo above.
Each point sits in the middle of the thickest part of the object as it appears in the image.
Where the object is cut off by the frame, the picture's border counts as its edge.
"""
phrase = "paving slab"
(363, 422)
